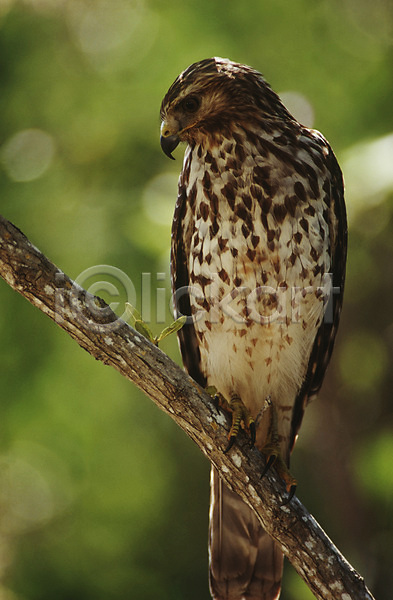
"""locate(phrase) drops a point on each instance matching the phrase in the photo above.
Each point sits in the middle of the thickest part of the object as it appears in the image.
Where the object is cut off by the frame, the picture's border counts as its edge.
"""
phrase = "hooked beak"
(169, 143)
(170, 139)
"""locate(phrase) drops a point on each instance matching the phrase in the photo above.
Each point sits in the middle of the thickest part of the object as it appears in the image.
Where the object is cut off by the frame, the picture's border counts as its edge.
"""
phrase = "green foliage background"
(101, 496)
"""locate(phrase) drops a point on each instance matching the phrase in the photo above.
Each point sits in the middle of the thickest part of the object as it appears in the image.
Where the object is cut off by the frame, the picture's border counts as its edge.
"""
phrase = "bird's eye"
(191, 104)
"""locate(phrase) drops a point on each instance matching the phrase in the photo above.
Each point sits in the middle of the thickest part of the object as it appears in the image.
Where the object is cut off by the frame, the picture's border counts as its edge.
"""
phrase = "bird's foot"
(241, 416)
(274, 458)
(272, 451)
(141, 326)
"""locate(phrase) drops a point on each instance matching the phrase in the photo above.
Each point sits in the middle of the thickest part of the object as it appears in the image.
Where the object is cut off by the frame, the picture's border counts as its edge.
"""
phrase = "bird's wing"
(188, 342)
(325, 337)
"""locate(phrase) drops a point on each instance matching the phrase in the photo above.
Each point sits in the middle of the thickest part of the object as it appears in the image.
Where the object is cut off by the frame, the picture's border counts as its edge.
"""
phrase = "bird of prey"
(259, 241)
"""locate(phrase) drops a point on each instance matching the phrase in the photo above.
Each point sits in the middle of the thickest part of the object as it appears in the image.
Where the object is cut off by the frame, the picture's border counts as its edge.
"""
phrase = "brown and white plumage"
(259, 225)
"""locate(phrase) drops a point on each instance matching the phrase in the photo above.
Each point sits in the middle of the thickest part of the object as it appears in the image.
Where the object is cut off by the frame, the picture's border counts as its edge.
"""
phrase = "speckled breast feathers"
(256, 227)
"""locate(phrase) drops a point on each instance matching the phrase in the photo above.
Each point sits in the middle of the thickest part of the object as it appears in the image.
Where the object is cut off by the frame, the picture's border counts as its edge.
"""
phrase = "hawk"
(258, 257)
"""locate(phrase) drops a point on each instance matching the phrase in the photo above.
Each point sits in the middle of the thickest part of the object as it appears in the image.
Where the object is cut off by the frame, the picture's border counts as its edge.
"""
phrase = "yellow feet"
(273, 455)
(241, 416)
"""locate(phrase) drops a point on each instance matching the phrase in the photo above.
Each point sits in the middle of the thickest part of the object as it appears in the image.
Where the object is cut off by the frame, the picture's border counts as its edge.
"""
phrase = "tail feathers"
(245, 563)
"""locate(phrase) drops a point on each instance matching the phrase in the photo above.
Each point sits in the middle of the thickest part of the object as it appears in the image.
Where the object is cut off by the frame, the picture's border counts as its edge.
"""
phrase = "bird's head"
(212, 96)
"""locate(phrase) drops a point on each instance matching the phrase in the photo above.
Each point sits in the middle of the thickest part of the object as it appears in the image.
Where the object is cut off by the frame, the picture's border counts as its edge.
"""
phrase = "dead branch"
(100, 332)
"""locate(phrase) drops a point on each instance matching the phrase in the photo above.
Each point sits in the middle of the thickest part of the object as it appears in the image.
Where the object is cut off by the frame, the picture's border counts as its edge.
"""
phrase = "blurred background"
(101, 495)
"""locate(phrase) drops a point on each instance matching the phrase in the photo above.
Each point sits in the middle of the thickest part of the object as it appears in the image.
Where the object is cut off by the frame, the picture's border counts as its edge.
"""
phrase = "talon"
(272, 451)
(240, 417)
(269, 462)
(291, 494)
(231, 441)
(216, 402)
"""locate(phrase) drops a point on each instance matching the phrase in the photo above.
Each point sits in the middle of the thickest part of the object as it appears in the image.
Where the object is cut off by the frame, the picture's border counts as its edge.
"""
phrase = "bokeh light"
(28, 154)
(368, 173)
(299, 107)
(158, 198)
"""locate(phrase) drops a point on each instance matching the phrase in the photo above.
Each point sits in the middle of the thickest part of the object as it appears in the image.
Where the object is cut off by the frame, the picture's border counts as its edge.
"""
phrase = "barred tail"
(245, 563)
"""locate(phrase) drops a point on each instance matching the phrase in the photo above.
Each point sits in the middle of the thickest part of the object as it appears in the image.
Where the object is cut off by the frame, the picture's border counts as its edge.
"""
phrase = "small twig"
(109, 339)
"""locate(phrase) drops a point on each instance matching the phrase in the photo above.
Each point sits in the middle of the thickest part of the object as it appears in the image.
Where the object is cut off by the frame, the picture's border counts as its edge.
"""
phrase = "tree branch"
(98, 330)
